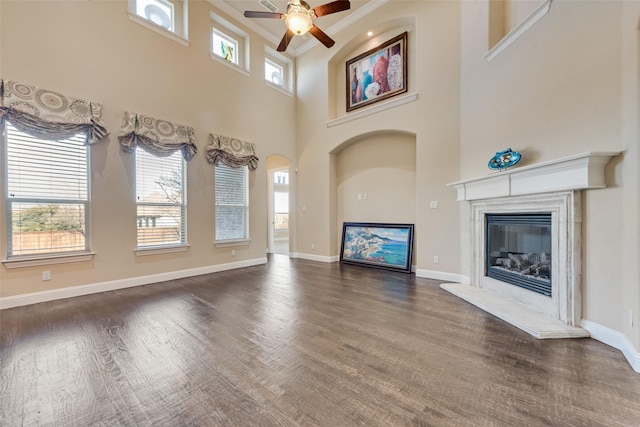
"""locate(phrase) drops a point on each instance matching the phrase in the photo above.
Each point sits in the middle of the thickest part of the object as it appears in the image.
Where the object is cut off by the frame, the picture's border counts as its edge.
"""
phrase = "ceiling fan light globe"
(298, 22)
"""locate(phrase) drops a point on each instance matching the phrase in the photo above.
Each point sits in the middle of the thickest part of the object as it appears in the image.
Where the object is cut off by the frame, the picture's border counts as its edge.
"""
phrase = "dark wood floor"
(298, 343)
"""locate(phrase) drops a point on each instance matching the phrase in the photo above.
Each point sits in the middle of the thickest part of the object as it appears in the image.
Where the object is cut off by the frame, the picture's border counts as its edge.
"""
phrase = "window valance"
(232, 152)
(159, 137)
(49, 115)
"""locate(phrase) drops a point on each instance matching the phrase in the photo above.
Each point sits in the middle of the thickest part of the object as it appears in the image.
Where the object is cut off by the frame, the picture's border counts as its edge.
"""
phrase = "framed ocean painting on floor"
(377, 245)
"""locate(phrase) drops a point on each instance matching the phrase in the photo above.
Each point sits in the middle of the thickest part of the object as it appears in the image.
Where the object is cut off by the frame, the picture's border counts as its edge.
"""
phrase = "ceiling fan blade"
(252, 14)
(285, 41)
(321, 36)
(333, 7)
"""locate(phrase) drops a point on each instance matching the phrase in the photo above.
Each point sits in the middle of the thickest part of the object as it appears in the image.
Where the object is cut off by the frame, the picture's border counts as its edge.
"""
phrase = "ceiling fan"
(298, 20)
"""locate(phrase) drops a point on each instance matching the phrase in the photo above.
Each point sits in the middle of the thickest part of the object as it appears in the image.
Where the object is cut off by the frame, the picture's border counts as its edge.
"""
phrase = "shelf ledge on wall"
(519, 30)
(394, 102)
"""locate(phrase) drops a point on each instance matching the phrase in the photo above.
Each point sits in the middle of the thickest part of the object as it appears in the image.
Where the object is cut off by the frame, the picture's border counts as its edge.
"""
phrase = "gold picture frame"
(377, 74)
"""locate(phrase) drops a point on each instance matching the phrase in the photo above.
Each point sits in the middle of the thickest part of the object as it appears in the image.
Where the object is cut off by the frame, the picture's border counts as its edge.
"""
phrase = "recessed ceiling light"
(370, 33)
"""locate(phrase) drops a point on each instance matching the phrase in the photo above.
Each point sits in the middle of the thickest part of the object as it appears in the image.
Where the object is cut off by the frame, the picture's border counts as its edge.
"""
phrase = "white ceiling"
(274, 29)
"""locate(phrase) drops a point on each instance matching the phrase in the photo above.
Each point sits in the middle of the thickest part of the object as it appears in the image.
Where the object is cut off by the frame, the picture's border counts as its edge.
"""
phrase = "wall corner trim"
(614, 339)
(441, 275)
(76, 291)
(312, 257)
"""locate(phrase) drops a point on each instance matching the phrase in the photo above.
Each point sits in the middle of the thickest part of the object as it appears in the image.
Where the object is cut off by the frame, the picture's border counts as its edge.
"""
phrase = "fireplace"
(510, 238)
(519, 250)
(542, 205)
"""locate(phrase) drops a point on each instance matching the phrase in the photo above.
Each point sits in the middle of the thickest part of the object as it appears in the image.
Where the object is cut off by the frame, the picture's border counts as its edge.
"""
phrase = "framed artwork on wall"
(377, 74)
(377, 245)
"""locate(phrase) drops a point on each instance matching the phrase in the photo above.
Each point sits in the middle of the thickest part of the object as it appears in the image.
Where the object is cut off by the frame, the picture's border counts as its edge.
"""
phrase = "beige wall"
(376, 180)
(431, 121)
(567, 86)
(92, 50)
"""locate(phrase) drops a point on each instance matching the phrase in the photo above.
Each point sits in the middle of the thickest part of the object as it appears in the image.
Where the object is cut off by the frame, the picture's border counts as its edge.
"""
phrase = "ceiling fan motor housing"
(300, 5)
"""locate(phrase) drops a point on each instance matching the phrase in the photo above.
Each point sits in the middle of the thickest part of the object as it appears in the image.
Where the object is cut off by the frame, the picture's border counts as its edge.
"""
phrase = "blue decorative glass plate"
(504, 159)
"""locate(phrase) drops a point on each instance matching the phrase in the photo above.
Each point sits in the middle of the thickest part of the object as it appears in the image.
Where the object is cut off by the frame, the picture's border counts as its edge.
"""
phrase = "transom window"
(160, 12)
(281, 177)
(231, 203)
(165, 17)
(224, 46)
(161, 199)
(273, 73)
(47, 194)
(278, 70)
(229, 44)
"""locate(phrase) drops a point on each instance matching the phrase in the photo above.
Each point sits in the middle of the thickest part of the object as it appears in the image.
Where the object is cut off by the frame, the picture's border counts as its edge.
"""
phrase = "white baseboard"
(614, 339)
(75, 291)
(440, 275)
(312, 257)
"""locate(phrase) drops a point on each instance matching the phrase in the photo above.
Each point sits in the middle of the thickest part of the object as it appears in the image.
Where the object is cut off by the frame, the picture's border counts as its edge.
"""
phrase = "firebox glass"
(519, 250)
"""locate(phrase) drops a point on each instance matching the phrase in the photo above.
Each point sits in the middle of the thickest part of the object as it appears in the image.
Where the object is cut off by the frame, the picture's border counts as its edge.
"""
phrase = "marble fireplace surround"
(554, 186)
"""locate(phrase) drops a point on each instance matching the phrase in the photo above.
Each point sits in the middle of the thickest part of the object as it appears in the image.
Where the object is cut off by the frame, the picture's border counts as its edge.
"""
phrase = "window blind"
(160, 199)
(232, 202)
(47, 194)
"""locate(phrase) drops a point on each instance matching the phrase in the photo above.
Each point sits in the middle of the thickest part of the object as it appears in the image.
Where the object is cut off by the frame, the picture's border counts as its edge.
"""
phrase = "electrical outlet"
(365, 196)
(433, 204)
(46, 275)
(313, 246)
(436, 259)
(233, 252)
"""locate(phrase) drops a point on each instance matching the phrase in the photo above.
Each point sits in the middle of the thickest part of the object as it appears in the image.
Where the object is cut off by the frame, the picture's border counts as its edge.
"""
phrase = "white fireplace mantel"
(552, 187)
(579, 172)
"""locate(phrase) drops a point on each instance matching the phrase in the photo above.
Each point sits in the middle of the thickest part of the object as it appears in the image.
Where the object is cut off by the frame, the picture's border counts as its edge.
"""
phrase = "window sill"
(231, 65)
(279, 88)
(228, 243)
(38, 260)
(156, 250)
(158, 29)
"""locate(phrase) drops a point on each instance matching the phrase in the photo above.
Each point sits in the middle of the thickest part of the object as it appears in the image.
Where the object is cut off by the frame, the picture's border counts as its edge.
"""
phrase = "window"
(159, 12)
(224, 46)
(229, 44)
(47, 194)
(278, 69)
(281, 177)
(232, 203)
(167, 17)
(161, 199)
(273, 73)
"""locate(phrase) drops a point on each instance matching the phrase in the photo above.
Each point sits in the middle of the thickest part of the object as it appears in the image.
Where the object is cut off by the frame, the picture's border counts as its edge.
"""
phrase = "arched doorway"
(279, 220)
